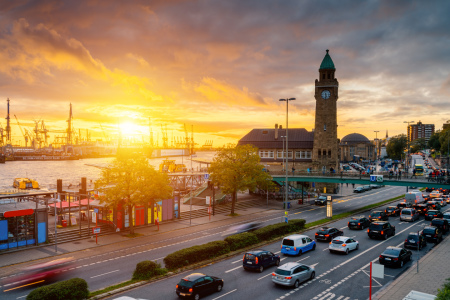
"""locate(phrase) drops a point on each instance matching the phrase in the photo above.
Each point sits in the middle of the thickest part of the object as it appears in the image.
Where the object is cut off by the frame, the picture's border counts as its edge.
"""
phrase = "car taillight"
(256, 260)
(426, 214)
(290, 277)
(368, 230)
(327, 235)
(395, 259)
(317, 233)
(406, 240)
(379, 217)
(343, 245)
(281, 246)
(382, 232)
(359, 224)
(435, 235)
(176, 286)
(348, 223)
(295, 248)
(190, 290)
(273, 274)
(381, 256)
(243, 258)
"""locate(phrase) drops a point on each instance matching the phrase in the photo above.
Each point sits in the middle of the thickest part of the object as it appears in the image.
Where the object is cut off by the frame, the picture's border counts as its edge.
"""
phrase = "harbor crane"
(21, 130)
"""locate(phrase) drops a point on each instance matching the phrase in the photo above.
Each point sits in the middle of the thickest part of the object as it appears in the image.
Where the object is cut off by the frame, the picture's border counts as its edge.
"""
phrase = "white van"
(414, 198)
(297, 244)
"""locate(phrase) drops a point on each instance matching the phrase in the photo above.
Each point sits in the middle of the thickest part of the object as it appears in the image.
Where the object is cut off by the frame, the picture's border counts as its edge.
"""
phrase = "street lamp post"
(376, 144)
(407, 146)
(287, 152)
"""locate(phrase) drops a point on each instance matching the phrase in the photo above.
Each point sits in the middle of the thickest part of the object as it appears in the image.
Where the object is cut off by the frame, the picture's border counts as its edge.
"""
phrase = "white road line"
(105, 273)
(265, 276)
(233, 269)
(236, 261)
(302, 259)
(343, 227)
(225, 294)
(21, 297)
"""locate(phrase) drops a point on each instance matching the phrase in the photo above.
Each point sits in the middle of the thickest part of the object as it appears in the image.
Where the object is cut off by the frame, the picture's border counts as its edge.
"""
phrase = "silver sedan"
(292, 274)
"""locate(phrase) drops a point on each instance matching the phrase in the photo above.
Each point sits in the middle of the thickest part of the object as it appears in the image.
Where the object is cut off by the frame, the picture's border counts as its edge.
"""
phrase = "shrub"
(241, 240)
(444, 293)
(296, 225)
(279, 229)
(195, 254)
(147, 269)
(72, 289)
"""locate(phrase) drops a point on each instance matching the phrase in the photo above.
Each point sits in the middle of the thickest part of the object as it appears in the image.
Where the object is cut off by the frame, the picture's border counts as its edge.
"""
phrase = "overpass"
(363, 179)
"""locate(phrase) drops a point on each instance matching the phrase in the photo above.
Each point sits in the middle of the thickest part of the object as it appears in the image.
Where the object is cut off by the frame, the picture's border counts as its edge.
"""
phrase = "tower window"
(329, 153)
(328, 75)
(319, 152)
(323, 76)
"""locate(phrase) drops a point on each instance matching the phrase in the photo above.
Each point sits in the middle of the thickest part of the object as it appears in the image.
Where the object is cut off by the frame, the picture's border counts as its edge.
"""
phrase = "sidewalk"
(433, 271)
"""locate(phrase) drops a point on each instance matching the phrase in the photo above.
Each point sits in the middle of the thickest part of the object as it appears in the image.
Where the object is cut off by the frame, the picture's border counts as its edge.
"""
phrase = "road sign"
(206, 176)
(208, 200)
(376, 178)
(378, 271)
(96, 210)
(96, 230)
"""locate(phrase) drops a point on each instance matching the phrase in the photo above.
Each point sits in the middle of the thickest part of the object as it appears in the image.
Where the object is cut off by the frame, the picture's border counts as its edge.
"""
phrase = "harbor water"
(71, 171)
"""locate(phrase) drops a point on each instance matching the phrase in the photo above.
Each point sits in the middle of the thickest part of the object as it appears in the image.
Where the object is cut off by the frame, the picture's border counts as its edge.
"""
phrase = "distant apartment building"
(419, 130)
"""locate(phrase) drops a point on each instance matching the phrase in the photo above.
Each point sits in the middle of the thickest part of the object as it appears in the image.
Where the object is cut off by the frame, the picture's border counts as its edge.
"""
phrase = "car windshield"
(413, 237)
(337, 242)
(282, 272)
(447, 216)
(438, 222)
(375, 214)
(391, 208)
(391, 252)
(432, 212)
(406, 212)
(322, 231)
(185, 283)
(287, 242)
(428, 230)
(249, 256)
(376, 226)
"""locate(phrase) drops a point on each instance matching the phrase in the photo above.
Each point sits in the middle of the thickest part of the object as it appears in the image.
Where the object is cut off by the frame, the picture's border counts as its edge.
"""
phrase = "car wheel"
(314, 247)
(357, 247)
(346, 251)
(261, 269)
(219, 287)
(196, 297)
(296, 284)
(384, 236)
(299, 252)
(277, 263)
(401, 264)
(313, 274)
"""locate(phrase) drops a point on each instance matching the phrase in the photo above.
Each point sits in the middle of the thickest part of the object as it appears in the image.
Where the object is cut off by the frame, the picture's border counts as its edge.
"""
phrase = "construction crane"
(164, 135)
(21, 130)
(186, 138)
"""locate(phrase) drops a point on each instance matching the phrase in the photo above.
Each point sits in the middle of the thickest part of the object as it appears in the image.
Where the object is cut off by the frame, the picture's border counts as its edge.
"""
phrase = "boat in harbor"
(25, 184)
(169, 165)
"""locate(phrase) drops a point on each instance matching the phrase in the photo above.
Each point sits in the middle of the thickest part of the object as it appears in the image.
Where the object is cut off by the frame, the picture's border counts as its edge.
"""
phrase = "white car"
(343, 244)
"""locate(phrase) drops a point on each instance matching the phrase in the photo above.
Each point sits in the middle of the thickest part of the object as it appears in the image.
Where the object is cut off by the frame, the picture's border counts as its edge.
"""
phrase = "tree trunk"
(130, 218)
(233, 202)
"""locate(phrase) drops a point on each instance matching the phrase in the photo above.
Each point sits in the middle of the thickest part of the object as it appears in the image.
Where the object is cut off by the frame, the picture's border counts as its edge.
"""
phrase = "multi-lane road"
(336, 274)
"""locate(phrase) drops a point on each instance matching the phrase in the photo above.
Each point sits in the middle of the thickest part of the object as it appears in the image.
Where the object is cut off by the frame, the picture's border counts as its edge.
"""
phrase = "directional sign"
(376, 178)
(96, 230)
(206, 176)
(378, 271)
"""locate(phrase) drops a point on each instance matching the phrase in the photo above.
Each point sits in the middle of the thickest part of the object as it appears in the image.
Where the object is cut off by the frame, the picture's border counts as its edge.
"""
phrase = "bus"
(419, 169)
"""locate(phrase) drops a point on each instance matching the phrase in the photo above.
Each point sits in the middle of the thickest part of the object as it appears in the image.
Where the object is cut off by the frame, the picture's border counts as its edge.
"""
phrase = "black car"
(378, 215)
(392, 211)
(415, 240)
(259, 260)
(403, 205)
(358, 223)
(431, 214)
(440, 223)
(434, 205)
(197, 285)
(421, 208)
(321, 200)
(432, 234)
(395, 256)
(359, 189)
(328, 233)
(380, 229)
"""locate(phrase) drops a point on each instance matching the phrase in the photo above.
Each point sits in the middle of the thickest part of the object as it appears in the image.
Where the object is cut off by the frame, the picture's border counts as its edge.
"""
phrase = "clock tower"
(325, 148)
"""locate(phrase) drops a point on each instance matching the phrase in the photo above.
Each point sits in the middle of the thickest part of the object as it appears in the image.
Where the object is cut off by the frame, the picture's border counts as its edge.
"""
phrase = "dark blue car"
(259, 260)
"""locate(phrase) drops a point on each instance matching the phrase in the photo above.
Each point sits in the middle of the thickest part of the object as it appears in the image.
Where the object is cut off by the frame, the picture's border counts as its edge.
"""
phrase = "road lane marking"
(343, 227)
(265, 276)
(236, 261)
(225, 294)
(232, 269)
(302, 259)
(105, 273)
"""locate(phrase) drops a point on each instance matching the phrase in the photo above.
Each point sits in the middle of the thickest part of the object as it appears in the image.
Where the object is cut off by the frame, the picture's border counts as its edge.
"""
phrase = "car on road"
(421, 208)
(434, 205)
(259, 260)
(446, 198)
(197, 285)
(378, 215)
(403, 205)
(327, 234)
(321, 200)
(435, 194)
(358, 223)
(343, 244)
(415, 240)
(446, 216)
(392, 210)
(297, 244)
(409, 214)
(367, 187)
(359, 189)
(292, 274)
(374, 186)
(441, 201)
(440, 223)
(242, 228)
(380, 229)
(395, 256)
(431, 214)
(432, 234)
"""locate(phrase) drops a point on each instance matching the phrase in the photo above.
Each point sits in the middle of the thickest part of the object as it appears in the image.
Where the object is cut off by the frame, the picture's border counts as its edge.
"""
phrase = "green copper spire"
(327, 63)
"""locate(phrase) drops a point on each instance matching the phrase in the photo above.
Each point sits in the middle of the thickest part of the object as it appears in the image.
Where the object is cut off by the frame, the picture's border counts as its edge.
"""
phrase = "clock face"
(326, 94)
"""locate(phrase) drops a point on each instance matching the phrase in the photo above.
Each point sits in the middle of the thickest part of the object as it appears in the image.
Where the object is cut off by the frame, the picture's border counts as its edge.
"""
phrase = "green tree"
(396, 146)
(238, 168)
(132, 181)
(444, 292)
(433, 142)
(418, 144)
(444, 140)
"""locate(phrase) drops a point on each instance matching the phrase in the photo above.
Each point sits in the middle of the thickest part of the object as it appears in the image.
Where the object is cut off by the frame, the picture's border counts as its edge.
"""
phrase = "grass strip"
(112, 287)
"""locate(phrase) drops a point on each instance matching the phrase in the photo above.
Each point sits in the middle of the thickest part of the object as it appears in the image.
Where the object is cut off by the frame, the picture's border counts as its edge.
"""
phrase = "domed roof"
(327, 62)
(355, 138)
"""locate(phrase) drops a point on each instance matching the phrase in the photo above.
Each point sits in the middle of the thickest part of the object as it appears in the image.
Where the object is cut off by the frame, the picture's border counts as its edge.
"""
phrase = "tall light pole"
(283, 156)
(376, 145)
(287, 152)
(407, 145)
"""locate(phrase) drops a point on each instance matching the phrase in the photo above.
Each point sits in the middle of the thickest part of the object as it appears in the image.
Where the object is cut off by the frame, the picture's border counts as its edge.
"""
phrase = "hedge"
(444, 292)
(147, 269)
(72, 289)
(271, 231)
(241, 240)
(195, 254)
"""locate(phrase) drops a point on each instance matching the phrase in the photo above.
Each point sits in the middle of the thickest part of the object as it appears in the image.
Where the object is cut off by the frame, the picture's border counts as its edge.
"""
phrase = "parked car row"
(364, 188)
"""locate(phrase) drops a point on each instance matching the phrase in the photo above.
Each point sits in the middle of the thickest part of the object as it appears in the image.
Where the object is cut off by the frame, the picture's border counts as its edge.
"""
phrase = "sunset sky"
(221, 66)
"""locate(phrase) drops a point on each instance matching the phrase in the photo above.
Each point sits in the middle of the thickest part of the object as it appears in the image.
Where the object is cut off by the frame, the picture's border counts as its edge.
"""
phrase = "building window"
(328, 75)
(308, 154)
(329, 153)
(303, 154)
(265, 154)
(319, 152)
(323, 76)
(280, 154)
